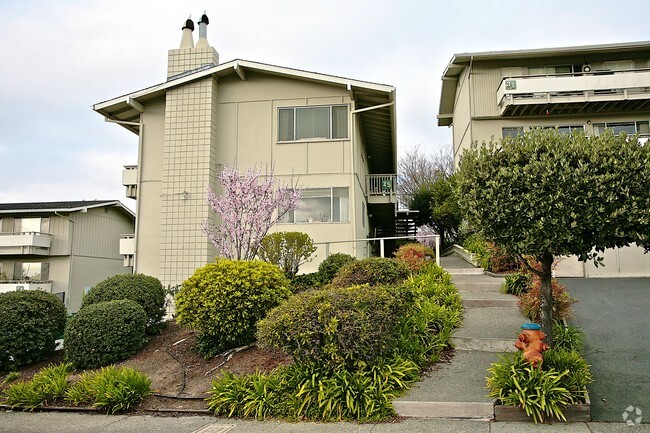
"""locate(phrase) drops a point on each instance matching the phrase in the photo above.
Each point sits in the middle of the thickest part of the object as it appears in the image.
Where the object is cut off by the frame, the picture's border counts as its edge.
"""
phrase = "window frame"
(289, 217)
(602, 126)
(294, 123)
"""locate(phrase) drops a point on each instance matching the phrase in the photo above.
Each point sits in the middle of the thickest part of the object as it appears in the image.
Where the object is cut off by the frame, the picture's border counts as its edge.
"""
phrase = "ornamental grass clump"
(543, 391)
(114, 389)
(48, 385)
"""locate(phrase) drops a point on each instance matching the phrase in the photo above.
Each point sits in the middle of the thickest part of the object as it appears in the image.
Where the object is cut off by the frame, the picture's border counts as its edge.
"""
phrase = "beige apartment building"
(62, 248)
(333, 136)
(490, 95)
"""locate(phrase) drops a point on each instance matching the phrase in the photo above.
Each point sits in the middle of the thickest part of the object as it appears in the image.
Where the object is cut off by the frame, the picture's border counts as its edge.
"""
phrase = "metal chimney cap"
(189, 24)
(204, 19)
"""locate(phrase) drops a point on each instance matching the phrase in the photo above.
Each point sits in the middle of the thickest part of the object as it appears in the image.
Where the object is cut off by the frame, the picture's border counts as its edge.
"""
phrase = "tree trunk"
(546, 298)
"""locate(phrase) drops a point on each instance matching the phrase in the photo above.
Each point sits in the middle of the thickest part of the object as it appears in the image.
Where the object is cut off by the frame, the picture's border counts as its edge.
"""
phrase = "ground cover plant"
(341, 371)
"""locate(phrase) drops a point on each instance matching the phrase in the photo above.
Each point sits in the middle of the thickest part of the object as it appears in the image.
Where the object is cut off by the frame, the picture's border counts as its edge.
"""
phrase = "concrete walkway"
(57, 422)
(491, 323)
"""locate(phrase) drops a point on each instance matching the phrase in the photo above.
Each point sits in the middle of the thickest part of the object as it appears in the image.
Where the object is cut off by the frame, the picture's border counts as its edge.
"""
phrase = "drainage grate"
(215, 428)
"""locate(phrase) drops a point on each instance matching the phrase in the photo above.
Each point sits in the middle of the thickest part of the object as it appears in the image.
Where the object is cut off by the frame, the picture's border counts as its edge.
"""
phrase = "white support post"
(381, 247)
(437, 250)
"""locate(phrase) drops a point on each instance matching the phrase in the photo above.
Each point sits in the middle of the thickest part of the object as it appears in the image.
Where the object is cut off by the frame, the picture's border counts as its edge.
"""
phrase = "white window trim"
(314, 139)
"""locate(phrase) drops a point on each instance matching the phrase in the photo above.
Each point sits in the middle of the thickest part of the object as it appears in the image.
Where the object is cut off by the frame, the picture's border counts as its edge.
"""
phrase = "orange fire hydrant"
(530, 341)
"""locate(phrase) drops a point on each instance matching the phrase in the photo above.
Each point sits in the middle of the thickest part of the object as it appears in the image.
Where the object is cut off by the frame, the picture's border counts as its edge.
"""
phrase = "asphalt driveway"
(614, 313)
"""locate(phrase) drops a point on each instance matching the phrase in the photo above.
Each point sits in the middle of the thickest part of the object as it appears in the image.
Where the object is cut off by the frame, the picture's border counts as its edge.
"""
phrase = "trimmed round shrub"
(147, 291)
(414, 255)
(30, 321)
(337, 327)
(303, 282)
(375, 271)
(225, 299)
(329, 267)
(105, 333)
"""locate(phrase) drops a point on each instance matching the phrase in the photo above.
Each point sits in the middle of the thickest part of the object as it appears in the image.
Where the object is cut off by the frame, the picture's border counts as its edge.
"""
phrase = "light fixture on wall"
(185, 195)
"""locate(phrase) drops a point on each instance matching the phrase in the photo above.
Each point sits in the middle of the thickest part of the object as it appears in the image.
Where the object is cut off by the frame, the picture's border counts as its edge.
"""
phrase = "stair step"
(444, 409)
(464, 271)
(475, 302)
(492, 345)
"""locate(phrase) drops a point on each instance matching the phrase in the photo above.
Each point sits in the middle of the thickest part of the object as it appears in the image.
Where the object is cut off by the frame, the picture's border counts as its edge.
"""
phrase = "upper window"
(32, 271)
(512, 132)
(323, 205)
(630, 128)
(566, 129)
(32, 225)
(550, 70)
(324, 122)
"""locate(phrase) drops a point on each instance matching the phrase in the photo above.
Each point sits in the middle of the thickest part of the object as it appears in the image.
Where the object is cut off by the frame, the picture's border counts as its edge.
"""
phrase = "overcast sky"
(59, 57)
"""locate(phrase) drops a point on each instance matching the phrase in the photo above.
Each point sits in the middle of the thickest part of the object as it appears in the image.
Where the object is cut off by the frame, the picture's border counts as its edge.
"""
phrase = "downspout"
(353, 183)
(471, 98)
(138, 182)
(71, 256)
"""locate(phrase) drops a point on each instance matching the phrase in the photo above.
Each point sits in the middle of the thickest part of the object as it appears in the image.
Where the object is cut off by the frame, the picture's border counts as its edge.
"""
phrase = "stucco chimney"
(187, 41)
(203, 32)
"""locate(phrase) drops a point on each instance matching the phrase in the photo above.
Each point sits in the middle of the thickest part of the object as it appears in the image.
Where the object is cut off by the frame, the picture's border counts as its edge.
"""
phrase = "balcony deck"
(593, 92)
(25, 244)
(381, 188)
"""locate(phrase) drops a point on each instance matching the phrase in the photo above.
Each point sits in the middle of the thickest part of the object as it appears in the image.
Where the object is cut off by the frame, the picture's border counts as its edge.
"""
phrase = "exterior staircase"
(491, 323)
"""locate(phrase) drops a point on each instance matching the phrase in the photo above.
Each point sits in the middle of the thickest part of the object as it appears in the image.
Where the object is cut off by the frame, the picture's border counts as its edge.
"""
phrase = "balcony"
(127, 248)
(12, 285)
(575, 94)
(130, 180)
(381, 188)
(28, 243)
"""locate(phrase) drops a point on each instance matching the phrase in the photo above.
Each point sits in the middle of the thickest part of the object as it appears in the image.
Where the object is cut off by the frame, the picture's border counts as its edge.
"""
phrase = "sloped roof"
(378, 124)
(61, 206)
(461, 61)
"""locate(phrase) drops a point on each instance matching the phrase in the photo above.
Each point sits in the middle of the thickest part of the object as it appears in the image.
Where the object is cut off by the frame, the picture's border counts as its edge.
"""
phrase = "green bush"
(303, 282)
(414, 255)
(116, 389)
(542, 391)
(30, 321)
(147, 291)
(336, 327)
(45, 387)
(516, 284)
(426, 330)
(375, 271)
(224, 300)
(104, 333)
(288, 250)
(489, 255)
(329, 267)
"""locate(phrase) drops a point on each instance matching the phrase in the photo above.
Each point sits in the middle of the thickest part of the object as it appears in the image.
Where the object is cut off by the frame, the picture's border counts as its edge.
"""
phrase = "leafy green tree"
(546, 194)
(288, 250)
(438, 208)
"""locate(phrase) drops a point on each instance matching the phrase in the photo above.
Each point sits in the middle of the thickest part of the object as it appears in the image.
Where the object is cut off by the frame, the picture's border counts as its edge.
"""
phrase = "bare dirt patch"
(180, 377)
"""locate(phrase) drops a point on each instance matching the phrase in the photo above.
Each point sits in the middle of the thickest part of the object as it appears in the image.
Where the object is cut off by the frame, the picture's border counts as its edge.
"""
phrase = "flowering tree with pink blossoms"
(250, 205)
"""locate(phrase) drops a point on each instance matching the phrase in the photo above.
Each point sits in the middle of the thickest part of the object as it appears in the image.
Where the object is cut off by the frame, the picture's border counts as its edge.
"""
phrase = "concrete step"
(477, 287)
(464, 271)
(476, 278)
(487, 299)
(491, 345)
(455, 389)
(491, 322)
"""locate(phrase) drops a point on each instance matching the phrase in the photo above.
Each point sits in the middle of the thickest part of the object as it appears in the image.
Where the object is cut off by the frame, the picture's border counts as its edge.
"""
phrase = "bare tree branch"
(416, 169)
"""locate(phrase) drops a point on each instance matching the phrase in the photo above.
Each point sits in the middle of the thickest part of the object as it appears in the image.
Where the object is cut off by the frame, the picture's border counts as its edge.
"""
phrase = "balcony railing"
(130, 180)
(381, 188)
(127, 248)
(595, 91)
(13, 285)
(25, 243)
